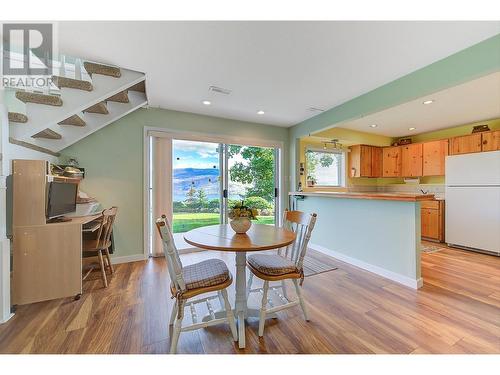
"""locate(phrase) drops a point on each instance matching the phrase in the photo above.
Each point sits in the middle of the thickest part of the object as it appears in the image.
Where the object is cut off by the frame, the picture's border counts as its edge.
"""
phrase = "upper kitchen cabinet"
(365, 161)
(391, 161)
(434, 154)
(411, 160)
(360, 161)
(491, 141)
(466, 144)
(377, 154)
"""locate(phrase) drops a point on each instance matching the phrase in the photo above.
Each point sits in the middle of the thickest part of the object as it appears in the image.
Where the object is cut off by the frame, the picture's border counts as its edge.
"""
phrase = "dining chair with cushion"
(211, 275)
(98, 247)
(286, 264)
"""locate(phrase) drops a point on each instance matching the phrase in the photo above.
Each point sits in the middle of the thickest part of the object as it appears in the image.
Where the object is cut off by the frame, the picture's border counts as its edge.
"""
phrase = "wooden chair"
(187, 282)
(286, 264)
(96, 247)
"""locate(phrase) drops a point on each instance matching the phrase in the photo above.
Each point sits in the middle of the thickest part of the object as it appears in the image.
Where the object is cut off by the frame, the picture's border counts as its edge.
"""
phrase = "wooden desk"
(48, 261)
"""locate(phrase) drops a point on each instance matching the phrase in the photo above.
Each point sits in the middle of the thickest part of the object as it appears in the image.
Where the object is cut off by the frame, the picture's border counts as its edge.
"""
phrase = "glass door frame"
(225, 181)
(151, 132)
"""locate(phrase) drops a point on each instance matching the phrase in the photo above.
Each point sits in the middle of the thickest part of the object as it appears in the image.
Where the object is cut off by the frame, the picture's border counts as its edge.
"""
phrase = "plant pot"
(241, 225)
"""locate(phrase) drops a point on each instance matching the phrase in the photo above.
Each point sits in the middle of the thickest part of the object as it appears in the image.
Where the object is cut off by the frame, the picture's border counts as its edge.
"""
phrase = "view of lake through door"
(209, 178)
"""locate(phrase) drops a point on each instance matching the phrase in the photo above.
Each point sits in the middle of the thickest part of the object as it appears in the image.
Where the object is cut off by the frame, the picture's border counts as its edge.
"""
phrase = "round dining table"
(223, 238)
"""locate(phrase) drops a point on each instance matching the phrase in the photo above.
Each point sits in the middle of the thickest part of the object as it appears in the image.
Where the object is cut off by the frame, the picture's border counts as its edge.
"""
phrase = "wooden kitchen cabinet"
(411, 160)
(377, 153)
(466, 144)
(391, 161)
(365, 161)
(432, 220)
(360, 161)
(434, 155)
(490, 141)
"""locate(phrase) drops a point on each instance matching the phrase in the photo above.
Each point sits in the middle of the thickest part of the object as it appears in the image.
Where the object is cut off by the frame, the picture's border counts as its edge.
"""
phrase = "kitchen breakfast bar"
(379, 232)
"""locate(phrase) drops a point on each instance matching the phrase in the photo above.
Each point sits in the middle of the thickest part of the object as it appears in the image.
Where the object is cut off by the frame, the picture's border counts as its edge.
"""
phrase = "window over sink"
(325, 168)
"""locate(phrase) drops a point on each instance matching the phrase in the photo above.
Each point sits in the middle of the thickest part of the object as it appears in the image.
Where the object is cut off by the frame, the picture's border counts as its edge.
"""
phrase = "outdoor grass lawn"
(187, 221)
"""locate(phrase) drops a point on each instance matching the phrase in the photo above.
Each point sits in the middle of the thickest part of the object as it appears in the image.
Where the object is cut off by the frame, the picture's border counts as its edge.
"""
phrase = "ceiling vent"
(315, 109)
(219, 90)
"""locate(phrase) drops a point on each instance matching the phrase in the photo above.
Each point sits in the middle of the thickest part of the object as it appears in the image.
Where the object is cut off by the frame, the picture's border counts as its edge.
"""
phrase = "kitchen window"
(325, 168)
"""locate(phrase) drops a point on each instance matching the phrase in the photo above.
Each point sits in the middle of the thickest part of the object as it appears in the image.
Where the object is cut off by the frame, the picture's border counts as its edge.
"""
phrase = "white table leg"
(240, 304)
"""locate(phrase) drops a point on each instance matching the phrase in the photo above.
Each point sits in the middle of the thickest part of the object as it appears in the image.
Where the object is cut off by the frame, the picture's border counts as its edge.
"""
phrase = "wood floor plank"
(351, 311)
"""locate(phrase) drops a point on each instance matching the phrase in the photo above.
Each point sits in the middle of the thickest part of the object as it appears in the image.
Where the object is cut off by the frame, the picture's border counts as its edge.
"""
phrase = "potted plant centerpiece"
(240, 216)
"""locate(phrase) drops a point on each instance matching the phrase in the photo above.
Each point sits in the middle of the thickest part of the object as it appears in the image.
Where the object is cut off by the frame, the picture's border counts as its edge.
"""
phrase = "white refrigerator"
(473, 201)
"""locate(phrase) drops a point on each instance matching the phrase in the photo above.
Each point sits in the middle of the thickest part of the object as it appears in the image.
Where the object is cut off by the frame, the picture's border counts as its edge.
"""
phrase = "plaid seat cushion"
(272, 264)
(210, 272)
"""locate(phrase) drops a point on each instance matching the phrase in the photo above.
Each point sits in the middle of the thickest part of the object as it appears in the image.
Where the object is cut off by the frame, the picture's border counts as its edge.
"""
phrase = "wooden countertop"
(367, 195)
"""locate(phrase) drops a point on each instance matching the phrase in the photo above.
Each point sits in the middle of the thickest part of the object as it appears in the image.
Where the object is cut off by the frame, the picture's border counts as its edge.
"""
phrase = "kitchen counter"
(407, 197)
(377, 231)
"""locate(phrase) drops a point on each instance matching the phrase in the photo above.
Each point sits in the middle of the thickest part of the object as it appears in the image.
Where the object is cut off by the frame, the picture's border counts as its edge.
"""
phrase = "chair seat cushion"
(272, 264)
(204, 274)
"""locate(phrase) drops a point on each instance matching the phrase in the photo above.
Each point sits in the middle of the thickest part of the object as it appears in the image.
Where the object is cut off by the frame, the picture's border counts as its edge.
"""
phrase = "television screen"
(61, 199)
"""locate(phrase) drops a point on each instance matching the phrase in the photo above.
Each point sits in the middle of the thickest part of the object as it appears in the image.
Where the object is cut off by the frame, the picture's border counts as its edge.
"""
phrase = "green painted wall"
(113, 161)
(473, 62)
(382, 233)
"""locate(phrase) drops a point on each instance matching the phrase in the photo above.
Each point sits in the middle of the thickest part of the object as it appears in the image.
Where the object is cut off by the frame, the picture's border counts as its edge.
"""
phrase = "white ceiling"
(470, 102)
(281, 67)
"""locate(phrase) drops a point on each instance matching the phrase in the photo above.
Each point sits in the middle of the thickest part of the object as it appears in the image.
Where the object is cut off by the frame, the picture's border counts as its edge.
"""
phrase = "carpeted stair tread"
(18, 117)
(121, 97)
(32, 97)
(33, 147)
(74, 120)
(48, 134)
(106, 70)
(72, 83)
(99, 108)
(140, 87)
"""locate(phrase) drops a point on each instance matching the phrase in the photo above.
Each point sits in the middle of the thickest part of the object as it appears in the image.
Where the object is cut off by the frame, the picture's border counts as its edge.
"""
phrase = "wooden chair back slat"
(172, 258)
(106, 227)
(302, 225)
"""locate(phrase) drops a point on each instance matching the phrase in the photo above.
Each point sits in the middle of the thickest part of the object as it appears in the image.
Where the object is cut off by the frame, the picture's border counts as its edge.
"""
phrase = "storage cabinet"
(360, 161)
(411, 160)
(490, 141)
(391, 161)
(434, 154)
(466, 144)
(365, 161)
(377, 161)
(432, 220)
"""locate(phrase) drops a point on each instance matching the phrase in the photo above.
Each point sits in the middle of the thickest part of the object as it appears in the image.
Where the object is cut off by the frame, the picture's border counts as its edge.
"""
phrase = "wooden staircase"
(85, 96)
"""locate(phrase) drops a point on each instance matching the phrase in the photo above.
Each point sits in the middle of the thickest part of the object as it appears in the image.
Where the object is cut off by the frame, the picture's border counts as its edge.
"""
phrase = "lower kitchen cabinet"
(432, 220)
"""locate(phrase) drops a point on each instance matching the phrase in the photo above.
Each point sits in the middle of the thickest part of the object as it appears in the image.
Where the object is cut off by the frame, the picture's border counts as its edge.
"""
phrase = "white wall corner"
(393, 276)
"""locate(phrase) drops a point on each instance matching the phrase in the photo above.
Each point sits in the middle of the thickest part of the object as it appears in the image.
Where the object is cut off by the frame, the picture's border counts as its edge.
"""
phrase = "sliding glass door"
(251, 175)
(196, 184)
(209, 178)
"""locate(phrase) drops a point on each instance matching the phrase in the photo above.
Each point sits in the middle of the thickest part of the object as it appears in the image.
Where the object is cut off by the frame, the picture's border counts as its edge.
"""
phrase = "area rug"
(316, 263)
(429, 249)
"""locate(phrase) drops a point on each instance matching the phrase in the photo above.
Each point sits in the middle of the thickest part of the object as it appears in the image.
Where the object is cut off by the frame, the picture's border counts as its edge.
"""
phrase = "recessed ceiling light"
(207, 102)
(428, 101)
(411, 128)
(373, 125)
(260, 112)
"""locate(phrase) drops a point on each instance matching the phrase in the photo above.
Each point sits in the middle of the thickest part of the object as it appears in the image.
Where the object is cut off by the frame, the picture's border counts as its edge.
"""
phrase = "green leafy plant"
(239, 210)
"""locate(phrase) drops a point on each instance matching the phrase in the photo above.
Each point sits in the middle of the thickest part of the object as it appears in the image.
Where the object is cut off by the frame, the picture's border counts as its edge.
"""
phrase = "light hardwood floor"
(351, 311)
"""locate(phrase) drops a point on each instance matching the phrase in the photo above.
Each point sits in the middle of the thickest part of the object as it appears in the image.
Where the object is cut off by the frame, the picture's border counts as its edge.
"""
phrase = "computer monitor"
(61, 198)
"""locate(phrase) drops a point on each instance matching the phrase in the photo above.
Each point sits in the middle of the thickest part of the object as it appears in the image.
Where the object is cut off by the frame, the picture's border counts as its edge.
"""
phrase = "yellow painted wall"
(349, 137)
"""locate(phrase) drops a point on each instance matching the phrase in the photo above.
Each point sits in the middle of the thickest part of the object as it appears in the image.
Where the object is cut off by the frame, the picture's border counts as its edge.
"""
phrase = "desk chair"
(100, 245)
(286, 264)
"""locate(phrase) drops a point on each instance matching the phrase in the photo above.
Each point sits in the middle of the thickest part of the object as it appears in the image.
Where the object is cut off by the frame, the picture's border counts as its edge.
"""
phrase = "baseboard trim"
(393, 276)
(128, 258)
